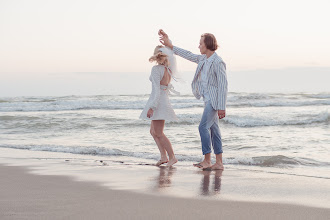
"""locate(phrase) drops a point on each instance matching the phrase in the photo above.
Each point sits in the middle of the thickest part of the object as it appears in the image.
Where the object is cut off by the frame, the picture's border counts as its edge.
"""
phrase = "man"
(210, 82)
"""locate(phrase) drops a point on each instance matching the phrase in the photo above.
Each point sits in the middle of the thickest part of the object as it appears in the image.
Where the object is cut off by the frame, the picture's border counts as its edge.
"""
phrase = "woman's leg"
(163, 156)
(158, 126)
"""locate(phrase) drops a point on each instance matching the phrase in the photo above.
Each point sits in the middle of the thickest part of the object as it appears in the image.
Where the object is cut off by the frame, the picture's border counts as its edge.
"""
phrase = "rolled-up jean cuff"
(220, 152)
(207, 152)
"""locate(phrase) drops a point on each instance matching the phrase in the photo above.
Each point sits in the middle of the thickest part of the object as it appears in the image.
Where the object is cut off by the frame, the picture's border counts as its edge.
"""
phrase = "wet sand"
(24, 195)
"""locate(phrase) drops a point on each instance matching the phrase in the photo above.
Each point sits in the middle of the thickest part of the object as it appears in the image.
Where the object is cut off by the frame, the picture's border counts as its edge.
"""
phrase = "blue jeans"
(209, 130)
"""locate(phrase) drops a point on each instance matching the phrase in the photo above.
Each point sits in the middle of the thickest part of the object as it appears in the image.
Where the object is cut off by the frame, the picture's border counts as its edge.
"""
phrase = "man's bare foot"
(217, 166)
(171, 162)
(161, 161)
(203, 164)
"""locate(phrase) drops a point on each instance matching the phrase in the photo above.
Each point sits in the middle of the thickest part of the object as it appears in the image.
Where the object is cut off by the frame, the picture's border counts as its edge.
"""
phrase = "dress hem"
(154, 119)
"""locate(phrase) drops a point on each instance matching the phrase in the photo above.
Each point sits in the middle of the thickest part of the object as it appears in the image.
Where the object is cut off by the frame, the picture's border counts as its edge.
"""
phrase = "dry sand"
(29, 196)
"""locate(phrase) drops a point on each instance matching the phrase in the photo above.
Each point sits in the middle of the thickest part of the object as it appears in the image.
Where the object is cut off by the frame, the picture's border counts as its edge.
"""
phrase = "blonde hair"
(160, 57)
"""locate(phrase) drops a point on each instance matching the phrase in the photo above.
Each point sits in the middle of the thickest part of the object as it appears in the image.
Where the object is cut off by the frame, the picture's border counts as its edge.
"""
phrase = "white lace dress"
(159, 100)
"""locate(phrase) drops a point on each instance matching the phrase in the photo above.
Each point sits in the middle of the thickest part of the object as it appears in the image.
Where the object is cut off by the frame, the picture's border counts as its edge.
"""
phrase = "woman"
(158, 108)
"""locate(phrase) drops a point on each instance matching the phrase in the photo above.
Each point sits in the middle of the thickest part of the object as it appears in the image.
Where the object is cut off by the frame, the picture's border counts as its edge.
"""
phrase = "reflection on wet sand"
(210, 184)
(165, 175)
(205, 182)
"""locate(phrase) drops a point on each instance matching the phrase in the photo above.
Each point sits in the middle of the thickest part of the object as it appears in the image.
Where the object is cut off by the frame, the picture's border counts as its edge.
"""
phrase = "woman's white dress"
(159, 100)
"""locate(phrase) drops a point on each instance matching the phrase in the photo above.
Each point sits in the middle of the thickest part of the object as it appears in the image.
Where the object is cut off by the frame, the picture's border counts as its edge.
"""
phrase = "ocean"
(286, 133)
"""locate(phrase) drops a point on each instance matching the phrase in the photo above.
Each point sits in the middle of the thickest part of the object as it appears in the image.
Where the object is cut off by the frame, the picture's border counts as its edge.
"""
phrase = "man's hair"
(210, 41)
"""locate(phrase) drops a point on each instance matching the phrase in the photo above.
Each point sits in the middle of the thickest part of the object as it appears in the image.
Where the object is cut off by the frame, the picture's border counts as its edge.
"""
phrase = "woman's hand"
(150, 113)
(164, 39)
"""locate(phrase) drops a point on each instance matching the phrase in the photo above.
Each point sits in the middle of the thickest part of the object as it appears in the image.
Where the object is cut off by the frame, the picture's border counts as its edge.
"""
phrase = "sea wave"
(37, 122)
(265, 161)
(255, 120)
(277, 100)
(261, 161)
(235, 100)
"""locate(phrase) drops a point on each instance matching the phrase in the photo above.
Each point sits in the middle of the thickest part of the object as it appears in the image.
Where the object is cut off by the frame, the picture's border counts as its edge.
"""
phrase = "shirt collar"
(211, 58)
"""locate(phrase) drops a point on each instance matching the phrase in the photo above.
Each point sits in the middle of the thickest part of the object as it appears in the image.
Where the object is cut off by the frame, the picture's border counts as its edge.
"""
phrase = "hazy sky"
(69, 36)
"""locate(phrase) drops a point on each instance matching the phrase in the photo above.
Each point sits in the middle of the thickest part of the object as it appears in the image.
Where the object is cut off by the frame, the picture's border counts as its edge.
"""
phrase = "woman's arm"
(155, 79)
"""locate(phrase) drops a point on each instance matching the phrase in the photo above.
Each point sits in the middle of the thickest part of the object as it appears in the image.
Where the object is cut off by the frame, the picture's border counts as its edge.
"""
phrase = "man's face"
(202, 46)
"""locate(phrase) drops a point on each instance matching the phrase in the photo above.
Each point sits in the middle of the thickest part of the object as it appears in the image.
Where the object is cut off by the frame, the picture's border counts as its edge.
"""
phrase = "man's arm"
(187, 54)
(222, 89)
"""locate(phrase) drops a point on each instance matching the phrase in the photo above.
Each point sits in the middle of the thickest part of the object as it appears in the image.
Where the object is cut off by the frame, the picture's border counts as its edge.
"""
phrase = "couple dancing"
(210, 82)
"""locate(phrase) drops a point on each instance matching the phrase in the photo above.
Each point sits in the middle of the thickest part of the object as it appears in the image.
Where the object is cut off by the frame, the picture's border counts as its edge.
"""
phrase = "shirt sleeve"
(155, 80)
(187, 54)
(222, 86)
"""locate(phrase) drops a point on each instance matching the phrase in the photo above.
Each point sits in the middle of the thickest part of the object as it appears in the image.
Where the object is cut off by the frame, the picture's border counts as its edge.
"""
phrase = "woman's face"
(202, 46)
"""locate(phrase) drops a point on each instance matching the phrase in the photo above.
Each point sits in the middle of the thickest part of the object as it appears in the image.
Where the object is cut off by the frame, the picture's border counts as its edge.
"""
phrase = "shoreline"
(181, 181)
(31, 196)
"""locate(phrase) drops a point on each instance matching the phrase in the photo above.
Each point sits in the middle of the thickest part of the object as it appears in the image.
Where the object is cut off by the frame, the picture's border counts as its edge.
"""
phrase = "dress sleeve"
(155, 79)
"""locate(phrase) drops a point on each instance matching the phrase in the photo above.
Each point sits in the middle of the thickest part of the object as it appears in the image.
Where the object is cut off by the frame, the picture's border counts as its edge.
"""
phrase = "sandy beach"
(29, 196)
(75, 77)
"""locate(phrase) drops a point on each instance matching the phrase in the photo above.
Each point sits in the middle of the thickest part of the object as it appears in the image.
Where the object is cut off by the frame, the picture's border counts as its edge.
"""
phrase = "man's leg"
(204, 131)
(217, 146)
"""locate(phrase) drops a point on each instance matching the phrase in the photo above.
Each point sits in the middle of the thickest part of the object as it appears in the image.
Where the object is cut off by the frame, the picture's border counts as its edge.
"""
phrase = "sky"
(49, 44)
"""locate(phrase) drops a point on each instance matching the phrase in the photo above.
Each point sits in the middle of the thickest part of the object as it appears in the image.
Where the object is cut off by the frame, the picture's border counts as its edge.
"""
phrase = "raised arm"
(165, 40)
(187, 54)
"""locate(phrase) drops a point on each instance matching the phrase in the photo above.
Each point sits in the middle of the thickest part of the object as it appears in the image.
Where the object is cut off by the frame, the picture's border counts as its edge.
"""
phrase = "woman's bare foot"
(161, 161)
(203, 165)
(217, 166)
(171, 162)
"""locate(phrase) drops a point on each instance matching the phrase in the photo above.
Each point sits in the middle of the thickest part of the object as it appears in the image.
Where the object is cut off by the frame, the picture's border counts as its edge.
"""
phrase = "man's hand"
(164, 39)
(150, 113)
(221, 114)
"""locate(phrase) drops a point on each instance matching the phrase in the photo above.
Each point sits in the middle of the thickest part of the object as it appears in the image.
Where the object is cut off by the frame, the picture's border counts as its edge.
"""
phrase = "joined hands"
(164, 39)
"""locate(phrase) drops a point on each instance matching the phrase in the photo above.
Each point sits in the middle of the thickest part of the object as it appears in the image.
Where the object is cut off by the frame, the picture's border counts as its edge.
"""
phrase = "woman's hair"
(159, 57)
(210, 41)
